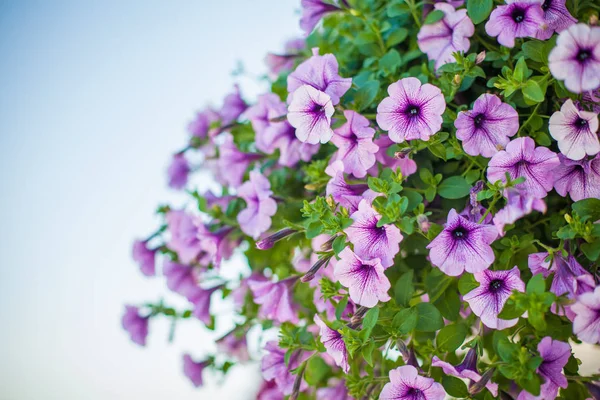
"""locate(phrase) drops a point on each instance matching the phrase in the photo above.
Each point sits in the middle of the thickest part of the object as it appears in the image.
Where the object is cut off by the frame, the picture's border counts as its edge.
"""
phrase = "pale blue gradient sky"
(94, 97)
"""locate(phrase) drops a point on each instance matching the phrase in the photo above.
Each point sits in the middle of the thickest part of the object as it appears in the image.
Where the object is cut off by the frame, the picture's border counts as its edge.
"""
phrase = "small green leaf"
(455, 387)
(316, 371)
(466, 283)
(455, 187)
(479, 10)
(397, 36)
(434, 17)
(536, 284)
(366, 94)
(588, 208)
(533, 92)
(404, 289)
(405, 320)
(450, 337)
(367, 352)
(341, 306)
(370, 319)
(591, 250)
(429, 318)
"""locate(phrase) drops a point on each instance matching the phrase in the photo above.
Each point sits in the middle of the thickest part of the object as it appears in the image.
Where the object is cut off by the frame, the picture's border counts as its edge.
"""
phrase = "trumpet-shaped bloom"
(467, 369)
(334, 344)
(487, 127)
(522, 159)
(193, 370)
(412, 111)
(364, 279)
(575, 131)
(516, 19)
(232, 163)
(369, 240)
(312, 12)
(135, 325)
(406, 384)
(556, 18)
(570, 278)
(347, 195)
(587, 316)
(354, 141)
(519, 203)
(487, 300)
(320, 73)
(310, 113)
(178, 171)
(275, 299)
(233, 107)
(263, 117)
(576, 58)
(200, 126)
(234, 345)
(447, 36)
(145, 257)
(580, 179)
(555, 355)
(184, 230)
(260, 207)
(279, 63)
(274, 367)
(335, 391)
(462, 245)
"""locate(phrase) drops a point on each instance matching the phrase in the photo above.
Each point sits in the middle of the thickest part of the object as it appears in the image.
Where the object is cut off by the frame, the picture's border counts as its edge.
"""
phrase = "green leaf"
(405, 320)
(339, 244)
(341, 306)
(316, 371)
(414, 199)
(429, 318)
(449, 305)
(436, 284)
(455, 387)
(397, 36)
(591, 250)
(479, 10)
(367, 352)
(455, 187)
(510, 311)
(370, 319)
(536, 284)
(434, 17)
(588, 208)
(404, 289)
(466, 283)
(366, 94)
(534, 50)
(521, 70)
(391, 61)
(450, 337)
(533, 92)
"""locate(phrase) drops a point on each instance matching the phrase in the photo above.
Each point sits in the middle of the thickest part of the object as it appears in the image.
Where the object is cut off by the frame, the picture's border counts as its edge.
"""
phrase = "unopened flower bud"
(402, 349)
(269, 241)
(402, 154)
(328, 244)
(594, 390)
(457, 79)
(330, 201)
(480, 57)
(423, 222)
(477, 387)
(594, 19)
(315, 268)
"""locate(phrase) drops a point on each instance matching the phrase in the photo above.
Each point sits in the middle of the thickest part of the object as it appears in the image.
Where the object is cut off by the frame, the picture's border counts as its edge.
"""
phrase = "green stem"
(490, 206)
(534, 113)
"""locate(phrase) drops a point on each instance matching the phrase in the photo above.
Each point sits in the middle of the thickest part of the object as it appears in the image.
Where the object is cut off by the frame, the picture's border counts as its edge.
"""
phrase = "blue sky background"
(95, 95)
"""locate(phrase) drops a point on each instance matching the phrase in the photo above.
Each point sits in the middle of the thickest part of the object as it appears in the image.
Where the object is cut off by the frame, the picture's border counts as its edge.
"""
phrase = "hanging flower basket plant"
(416, 198)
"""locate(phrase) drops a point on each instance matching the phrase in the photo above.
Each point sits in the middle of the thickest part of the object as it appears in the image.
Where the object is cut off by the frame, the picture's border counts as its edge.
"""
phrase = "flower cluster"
(417, 197)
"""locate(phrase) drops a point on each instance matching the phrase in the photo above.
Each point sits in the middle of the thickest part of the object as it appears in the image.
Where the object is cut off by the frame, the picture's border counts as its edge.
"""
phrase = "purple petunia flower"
(233, 107)
(467, 369)
(587, 316)
(334, 391)
(516, 19)
(334, 344)
(487, 300)
(556, 18)
(200, 300)
(406, 384)
(275, 299)
(200, 126)
(575, 131)
(255, 219)
(234, 345)
(184, 235)
(570, 277)
(193, 370)
(135, 325)
(215, 245)
(522, 159)
(555, 355)
(320, 73)
(580, 179)
(232, 163)
(413, 111)
(262, 115)
(145, 257)
(447, 36)
(462, 245)
(313, 11)
(269, 391)
(486, 128)
(278, 63)
(274, 367)
(310, 113)
(519, 203)
(178, 171)
(365, 279)
(371, 241)
(407, 165)
(354, 140)
(346, 195)
(576, 58)
(591, 100)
